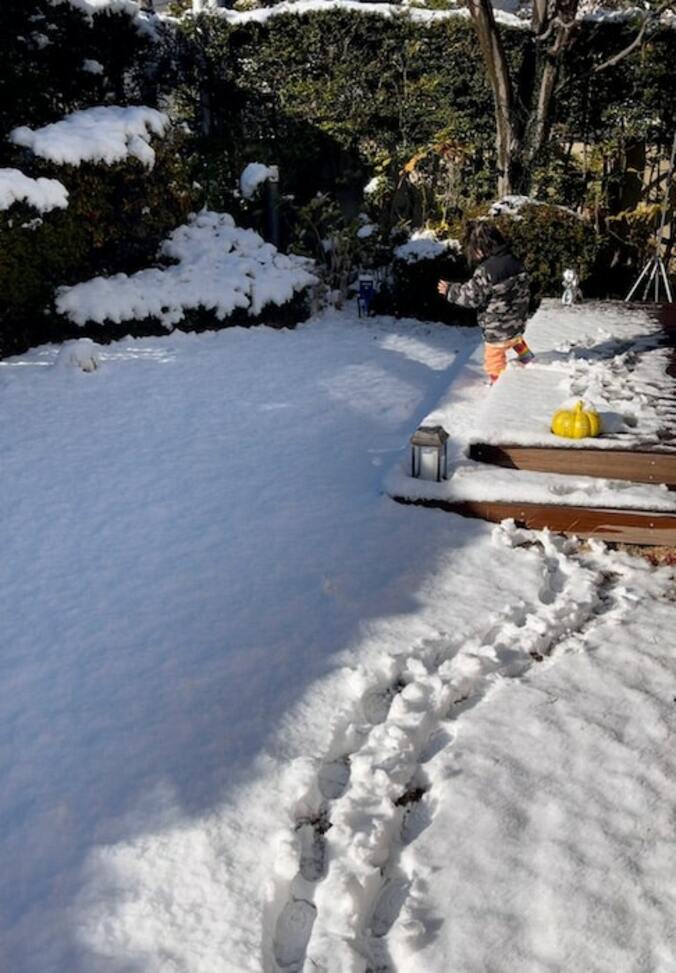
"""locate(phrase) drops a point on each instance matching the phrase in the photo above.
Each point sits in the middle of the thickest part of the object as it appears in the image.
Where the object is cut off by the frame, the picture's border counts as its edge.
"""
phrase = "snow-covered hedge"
(219, 269)
(424, 245)
(116, 217)
(105, 133)
(417, 266)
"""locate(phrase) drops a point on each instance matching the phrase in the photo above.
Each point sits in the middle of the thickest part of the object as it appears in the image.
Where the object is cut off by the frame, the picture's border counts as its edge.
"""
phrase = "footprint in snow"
(436, 743)
(292, 933)
(333, 778)
(388, 906)
(417, 819)
(312, 852)
(376, 703)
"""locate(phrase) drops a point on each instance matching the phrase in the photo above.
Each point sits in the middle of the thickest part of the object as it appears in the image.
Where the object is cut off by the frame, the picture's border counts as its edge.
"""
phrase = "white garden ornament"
(571, 288)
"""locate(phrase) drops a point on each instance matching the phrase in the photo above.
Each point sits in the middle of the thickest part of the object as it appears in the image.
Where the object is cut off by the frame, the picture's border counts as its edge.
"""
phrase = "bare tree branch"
(649, 20)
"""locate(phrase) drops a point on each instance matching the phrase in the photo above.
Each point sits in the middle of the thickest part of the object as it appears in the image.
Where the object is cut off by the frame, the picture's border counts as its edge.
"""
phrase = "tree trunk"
(506, 142)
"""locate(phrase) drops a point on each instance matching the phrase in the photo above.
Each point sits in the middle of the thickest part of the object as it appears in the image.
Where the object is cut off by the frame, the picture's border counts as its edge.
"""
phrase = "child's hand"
(442, 287)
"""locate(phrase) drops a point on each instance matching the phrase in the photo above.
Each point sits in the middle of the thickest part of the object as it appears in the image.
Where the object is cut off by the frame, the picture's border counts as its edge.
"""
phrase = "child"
(499, 291)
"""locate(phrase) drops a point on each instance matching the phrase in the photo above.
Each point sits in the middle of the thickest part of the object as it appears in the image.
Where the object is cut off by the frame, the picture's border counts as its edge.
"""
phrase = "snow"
(43, 194)
(374, 185)
(366, 231)
(144, 22)
(424, 245)
(106, 133)
(191, 534)
(91, 66)
(82, 354)
(512, 205)
(218, 266)
(560, 784)
(254, 712)
(584, 352)
(300, 7)
(253, 176)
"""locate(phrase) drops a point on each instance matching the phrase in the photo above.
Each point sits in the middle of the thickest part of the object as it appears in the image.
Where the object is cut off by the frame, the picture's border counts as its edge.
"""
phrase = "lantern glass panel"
(429, 462)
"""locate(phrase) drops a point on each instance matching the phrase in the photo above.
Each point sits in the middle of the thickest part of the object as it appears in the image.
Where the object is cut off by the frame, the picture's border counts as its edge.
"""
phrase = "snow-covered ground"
(258, 717)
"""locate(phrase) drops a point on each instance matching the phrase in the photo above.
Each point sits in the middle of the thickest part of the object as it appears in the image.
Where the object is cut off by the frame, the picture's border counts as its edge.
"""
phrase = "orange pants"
(495, 356)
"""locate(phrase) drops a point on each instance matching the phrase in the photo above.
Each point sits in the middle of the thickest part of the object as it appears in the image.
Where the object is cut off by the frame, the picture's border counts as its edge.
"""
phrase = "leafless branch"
(565, 25)
(649, 20)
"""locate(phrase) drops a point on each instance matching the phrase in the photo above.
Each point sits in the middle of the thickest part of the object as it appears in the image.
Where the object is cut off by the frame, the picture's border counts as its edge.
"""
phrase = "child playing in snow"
(500, 293)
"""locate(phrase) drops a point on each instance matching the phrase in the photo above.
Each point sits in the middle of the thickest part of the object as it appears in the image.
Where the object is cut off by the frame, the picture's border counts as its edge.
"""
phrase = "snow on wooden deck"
(610, 355)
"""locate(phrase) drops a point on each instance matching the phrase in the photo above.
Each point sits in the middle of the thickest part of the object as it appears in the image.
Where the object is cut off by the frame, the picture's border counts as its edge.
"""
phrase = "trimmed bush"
(116, 218)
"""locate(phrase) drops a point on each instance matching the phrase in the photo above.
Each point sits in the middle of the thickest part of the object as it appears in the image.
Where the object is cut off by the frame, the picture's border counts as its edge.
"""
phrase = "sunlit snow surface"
(217, 630)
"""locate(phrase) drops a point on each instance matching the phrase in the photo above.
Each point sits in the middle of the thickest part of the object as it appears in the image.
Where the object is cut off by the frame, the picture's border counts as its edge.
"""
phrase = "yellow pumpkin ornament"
(577, 423)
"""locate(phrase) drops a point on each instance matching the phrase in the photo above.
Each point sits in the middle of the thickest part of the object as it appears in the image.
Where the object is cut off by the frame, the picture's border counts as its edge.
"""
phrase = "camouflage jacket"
(499, 290)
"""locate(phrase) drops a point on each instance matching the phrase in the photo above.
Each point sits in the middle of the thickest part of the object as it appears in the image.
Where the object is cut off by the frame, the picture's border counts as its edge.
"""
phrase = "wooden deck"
(651, 460)
(638, 466)
(639, 527)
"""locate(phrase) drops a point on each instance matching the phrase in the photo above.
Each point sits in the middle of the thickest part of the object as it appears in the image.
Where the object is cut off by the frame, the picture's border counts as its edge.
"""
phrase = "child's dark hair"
(482, 239)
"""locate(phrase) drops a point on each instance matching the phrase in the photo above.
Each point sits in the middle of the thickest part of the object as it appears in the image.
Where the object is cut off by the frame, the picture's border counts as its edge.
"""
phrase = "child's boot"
(524, 353)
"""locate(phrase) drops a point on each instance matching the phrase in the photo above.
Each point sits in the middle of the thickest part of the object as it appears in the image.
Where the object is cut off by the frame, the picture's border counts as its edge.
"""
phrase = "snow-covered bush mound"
(220, 267)
(43, 194)
(106, 133)
(81, 355)
(423, 245)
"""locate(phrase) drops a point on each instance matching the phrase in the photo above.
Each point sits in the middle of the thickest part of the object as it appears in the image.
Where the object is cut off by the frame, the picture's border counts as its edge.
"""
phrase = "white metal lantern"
(429, 453)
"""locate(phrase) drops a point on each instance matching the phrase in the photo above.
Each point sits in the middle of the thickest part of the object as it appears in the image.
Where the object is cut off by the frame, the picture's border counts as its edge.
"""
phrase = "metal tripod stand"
(655, 270)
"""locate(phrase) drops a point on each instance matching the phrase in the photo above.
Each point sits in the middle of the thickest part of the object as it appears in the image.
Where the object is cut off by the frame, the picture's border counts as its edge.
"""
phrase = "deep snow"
(220, 637)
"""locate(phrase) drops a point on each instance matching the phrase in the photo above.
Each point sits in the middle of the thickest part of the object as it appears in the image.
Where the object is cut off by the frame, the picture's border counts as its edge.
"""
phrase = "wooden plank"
(638, 466)
(623, 526)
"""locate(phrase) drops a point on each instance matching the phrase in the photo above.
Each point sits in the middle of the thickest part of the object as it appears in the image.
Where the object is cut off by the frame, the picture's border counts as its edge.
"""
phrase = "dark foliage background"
(334, 98)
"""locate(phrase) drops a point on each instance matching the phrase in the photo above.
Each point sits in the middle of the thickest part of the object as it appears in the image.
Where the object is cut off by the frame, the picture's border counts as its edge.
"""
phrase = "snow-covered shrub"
(115, 219)
(418, 264)
(103, 133)
(211, 273)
